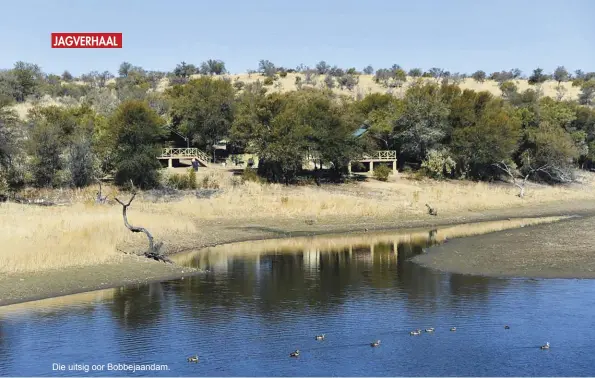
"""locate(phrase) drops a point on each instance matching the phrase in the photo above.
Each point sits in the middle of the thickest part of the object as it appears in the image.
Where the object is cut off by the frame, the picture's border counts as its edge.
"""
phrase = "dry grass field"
(84, 233)
(366, 85)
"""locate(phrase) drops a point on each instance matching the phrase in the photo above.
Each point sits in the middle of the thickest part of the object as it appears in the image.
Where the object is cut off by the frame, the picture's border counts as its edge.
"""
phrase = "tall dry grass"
(40, 238)
(372, 199)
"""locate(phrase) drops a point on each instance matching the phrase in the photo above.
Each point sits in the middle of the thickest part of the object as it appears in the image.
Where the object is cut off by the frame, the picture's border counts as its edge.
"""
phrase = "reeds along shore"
(85, 233)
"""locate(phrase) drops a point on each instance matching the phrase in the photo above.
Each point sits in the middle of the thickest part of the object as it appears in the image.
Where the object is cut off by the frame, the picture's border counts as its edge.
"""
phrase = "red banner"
(86, 40)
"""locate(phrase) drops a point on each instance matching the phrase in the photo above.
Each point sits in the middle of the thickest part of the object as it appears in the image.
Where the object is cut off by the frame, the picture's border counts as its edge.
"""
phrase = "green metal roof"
(361, 131)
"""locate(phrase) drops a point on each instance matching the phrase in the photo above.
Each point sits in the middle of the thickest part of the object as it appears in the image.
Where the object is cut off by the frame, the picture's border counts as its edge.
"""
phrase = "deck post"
(349, 168)
(170, 163)
(371, 167)
(394, 166)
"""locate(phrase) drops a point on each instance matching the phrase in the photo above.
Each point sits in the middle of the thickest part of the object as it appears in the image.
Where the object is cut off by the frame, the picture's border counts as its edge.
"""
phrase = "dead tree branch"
(513, 175)
(154, 249)
(431, 210)
(100, 199)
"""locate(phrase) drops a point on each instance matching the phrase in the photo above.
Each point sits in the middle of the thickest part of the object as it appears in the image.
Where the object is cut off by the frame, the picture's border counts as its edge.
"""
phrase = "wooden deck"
(171, 154)
(382, 156)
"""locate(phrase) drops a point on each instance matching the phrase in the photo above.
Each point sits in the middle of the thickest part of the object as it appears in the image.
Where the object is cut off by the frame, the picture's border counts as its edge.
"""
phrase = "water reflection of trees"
(138, 306)
(304, 282)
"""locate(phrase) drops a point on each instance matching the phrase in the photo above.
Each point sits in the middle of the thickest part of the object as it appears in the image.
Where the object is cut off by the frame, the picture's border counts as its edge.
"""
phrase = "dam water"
(259, 302)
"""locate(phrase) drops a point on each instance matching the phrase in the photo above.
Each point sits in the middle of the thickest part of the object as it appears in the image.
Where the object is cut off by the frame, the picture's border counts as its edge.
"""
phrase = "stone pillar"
(394, 166)
(170, 163)
(371, 167)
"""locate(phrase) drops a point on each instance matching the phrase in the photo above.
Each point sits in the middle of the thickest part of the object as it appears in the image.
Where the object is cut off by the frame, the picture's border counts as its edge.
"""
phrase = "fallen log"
(154, 249)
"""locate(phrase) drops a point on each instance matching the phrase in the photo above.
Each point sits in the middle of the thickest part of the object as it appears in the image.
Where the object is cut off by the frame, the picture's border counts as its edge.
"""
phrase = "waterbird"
(546, 346)
(453, 329)
(415, 333)
(319, 337)
(506, 327)
(430, 330)
(375, 343)
(295, 354)
(193, 358)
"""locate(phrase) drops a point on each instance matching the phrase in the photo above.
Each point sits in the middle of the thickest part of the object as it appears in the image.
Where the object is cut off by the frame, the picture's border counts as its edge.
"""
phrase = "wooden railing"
(184, 153)
(380, 155)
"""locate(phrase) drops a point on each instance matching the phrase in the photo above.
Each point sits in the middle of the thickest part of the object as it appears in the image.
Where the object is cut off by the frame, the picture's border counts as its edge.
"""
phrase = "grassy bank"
(85, 242)
(84, 233)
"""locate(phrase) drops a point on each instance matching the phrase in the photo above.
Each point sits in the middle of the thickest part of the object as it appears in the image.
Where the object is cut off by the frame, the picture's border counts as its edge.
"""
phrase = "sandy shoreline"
(23, 287)
(557, 250)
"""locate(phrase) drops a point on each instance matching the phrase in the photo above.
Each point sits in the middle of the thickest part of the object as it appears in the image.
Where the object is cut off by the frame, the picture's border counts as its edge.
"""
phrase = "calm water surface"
(248, 313)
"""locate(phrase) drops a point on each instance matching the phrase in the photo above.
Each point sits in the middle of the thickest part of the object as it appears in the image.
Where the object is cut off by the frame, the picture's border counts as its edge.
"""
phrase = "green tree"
(124, 69)
(479, 76)
(587, 95)
(213, 67)
(424, 122)
(45, 146)
(203, 109)
(379, 112)
(67, 76)
(8, 136)
(267, 68)
(28, 78)
(322, 68)
(283, 128)
(136, 131)
(369, 70)
(492, 137)
(508, 89)
(561, 74)
(60, 142)
(538, 77)
(553, 149)
(415, 72)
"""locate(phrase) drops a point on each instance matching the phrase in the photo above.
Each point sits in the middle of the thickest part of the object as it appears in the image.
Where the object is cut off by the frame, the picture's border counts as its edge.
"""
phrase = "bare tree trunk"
(100, 199)
(154, 249)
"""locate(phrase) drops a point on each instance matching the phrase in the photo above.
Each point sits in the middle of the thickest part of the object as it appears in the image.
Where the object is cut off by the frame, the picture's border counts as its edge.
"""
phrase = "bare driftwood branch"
(513, 175)
(431, 210)
(100, 199)
(154, 249)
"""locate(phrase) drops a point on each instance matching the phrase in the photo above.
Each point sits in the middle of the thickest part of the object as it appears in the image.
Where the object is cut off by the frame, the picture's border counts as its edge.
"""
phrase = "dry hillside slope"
(366, 85)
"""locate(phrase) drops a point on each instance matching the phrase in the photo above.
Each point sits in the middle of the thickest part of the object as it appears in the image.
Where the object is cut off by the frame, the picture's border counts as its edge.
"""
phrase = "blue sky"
(460, 36)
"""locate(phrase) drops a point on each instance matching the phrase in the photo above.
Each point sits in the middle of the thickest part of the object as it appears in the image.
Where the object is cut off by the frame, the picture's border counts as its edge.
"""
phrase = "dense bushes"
(382, 172)
(116, 124)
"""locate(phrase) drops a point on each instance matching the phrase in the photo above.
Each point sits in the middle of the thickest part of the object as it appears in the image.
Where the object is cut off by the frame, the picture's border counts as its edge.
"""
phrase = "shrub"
(250, 174)
(268, 80)
(210, 182)
(438, 164)
(382, 172)
(177, 181)
(283, 73)
(238, 84)
(182, 181)
(191, 177)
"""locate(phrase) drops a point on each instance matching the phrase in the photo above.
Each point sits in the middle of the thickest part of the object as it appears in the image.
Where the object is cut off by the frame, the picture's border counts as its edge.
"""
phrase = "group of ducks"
(429, 330)
(416, 332)
(376, 343)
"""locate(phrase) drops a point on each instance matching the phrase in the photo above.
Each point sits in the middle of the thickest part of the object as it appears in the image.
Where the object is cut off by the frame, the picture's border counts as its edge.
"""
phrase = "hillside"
(365, 85)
